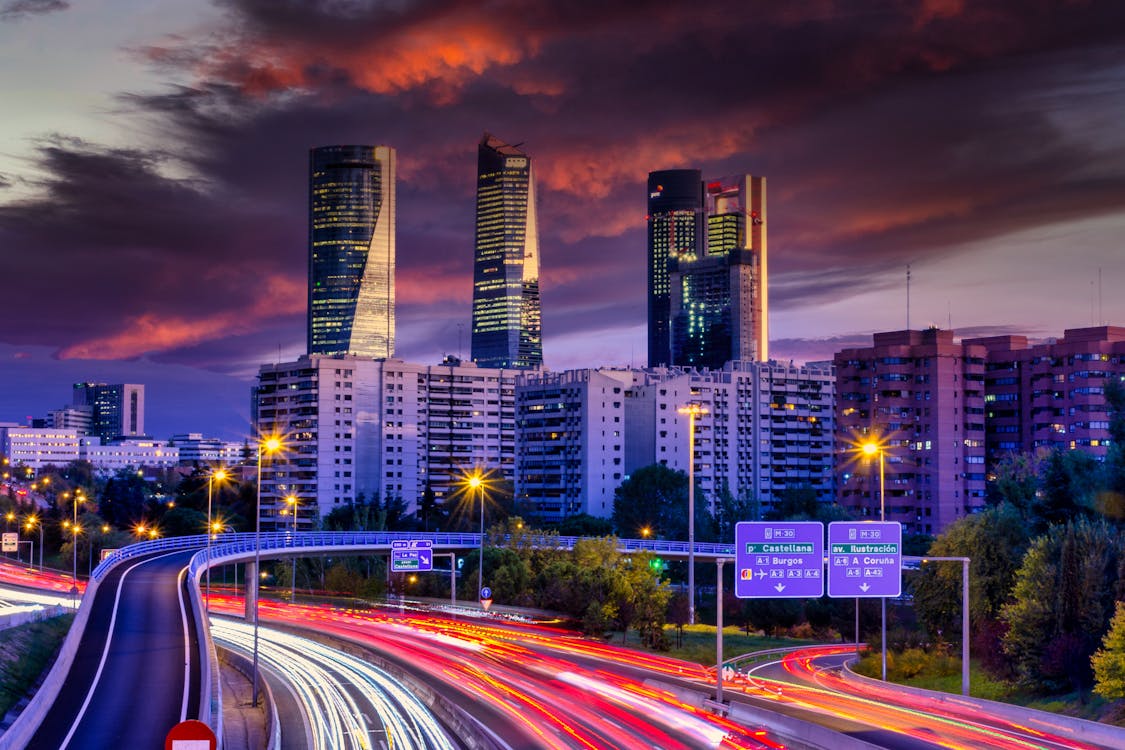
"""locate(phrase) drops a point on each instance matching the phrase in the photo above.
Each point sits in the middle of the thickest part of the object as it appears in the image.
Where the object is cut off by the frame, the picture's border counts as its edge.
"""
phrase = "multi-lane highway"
(136, 671)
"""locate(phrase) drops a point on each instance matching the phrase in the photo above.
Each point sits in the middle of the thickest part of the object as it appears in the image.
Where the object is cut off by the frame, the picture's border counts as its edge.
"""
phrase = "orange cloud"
(151, 332)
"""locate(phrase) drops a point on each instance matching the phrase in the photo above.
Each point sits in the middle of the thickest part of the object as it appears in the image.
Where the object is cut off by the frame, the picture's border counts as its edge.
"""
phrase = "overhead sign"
(190, 735)
(412, 555)
(864, 559)
(11, 542)
(779, 560)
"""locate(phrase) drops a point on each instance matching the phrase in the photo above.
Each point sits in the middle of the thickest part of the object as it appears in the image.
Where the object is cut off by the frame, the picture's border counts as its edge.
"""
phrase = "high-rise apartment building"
(765, 428)
(116, 411)
(352, 251)
(708, 294)
(1050, 395)
(921, 396)
(355, 428)
(506, 321)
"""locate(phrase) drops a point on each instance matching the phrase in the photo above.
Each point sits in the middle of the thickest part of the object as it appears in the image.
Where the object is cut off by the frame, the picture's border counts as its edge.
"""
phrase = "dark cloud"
(890, 132)
(13, 10)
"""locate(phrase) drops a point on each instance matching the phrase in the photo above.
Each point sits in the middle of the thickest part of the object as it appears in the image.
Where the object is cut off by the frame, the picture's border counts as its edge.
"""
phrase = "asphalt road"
(136, 673)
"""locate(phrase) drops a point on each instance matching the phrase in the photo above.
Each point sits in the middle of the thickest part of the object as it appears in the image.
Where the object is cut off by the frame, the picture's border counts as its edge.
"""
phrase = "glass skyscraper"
(506, 328)
(352, 251)
(675, 231)
(708, 300)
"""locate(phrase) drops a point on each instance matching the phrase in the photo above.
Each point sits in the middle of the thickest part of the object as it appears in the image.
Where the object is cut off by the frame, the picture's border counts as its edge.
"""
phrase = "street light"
(873, 448)
(294, 503)
(220, 475)
(266, 446)
(692, 410)
(31, 523)
(476, 482)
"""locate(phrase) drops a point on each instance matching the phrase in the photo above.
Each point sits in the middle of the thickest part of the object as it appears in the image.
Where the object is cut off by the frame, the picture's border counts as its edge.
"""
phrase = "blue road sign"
(412, 555)
(864, 559)
(485, 593)
(779, 560)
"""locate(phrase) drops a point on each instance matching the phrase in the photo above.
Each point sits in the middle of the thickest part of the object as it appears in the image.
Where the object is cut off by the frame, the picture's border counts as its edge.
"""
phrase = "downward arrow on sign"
(424, 559)
(780, 587)
(864, 588)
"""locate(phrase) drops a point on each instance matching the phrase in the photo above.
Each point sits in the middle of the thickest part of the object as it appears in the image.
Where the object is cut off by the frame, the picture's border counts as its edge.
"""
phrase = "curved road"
(136, 673)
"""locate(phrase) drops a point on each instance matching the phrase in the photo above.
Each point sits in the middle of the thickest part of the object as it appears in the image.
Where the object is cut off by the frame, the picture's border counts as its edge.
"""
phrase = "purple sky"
(153, 170)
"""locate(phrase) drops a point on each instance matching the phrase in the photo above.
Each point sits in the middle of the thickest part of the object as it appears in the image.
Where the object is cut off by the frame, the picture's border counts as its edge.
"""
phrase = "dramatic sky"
(153, 170)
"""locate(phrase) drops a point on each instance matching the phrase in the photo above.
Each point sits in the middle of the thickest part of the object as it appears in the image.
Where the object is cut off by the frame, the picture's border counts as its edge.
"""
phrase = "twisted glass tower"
(506, 328)
(352, 251)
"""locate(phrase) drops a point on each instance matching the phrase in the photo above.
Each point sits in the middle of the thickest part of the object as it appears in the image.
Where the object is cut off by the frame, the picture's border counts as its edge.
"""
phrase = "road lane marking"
(105, 651)
(187, 644)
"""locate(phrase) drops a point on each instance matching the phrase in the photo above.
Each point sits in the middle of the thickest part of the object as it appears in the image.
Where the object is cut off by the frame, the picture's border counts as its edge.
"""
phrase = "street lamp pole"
(219, 474)
(269, 445)
(692, 410)
(873, 449)
(292, 500)
(476, 484)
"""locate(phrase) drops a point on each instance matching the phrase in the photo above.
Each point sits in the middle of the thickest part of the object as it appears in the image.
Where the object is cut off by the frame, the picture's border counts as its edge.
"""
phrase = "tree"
(995, 541)
(656, 497)
(1016, 480)
(793, 503)
(1111, 500)
(731, 510)
(1108, 662)
(1062, 603)
(1068, 486)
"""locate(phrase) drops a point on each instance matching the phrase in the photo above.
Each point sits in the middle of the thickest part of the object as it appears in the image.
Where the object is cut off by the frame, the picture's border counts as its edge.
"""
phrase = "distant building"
(708, 287)
(196, 449)
(1051, 395)
(38, 447)
(921, 395)
(506, 318)
(78, 418)
(766, 428)
(116, 411)
(351, 299)
(127, 454)
(356, 428)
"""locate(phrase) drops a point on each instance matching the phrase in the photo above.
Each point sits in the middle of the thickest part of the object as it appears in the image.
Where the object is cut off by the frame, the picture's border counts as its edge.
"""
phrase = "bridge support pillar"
(251, 590)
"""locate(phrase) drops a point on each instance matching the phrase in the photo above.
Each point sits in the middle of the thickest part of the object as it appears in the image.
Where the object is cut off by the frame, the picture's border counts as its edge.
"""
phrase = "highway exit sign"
(412, 555)
(11, 542)
(775, 560)
(864, 559)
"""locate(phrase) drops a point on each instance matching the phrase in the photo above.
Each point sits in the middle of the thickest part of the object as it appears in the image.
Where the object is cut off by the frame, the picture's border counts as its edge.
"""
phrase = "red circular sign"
(189, 735)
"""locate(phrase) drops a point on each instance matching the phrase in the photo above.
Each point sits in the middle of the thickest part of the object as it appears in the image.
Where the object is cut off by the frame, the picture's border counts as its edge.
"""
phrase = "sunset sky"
(153, 171)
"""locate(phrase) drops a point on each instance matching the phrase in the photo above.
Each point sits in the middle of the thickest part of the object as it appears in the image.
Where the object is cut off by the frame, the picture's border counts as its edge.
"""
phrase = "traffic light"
(656, 565)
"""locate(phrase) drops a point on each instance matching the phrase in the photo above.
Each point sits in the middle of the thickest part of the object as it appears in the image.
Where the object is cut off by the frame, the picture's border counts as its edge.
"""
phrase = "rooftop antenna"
(1101, 319)
(1093, 321)
(460, 330)
(908, 296)
(949, 313)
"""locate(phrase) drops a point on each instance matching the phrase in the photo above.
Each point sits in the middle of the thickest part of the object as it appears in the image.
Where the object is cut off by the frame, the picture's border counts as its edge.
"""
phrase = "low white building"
(127, 454)
(37, 447)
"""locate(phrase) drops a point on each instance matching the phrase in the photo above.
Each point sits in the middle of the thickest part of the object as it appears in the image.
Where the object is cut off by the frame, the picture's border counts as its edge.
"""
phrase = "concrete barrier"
(1058, 725)
(244, 665)
(37, 614)
(26, 724)
(793, 732)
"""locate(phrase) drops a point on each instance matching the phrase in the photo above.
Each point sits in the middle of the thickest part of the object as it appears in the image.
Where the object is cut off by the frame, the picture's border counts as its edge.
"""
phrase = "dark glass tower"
(352, 251)
(506, 328)
(718, 303)
(675, 231)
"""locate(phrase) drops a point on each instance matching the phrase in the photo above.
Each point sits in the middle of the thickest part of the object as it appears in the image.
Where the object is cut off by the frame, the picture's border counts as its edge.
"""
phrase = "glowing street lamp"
(216, 475)
(475, 482)
(266, 446)
(692, 411)
(873, 448)
(30, 523)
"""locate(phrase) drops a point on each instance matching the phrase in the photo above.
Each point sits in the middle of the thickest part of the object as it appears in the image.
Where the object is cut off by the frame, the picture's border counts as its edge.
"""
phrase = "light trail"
(320, 676)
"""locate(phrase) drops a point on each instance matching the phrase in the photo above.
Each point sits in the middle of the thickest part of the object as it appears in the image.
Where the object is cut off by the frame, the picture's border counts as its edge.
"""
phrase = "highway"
(346, 703)
(136, 673)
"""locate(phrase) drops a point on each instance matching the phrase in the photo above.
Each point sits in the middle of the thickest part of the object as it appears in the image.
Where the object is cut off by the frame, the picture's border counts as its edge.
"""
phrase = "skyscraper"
(352, 251)
(116, 411)
(506, 328)
(708, 299)
(675, 230)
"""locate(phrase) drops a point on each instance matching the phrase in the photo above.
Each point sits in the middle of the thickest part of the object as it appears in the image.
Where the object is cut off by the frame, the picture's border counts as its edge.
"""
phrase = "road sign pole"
(719, 631)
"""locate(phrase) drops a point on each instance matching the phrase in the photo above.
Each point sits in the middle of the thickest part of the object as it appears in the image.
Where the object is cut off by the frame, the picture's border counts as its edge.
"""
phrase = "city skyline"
(154, 194)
